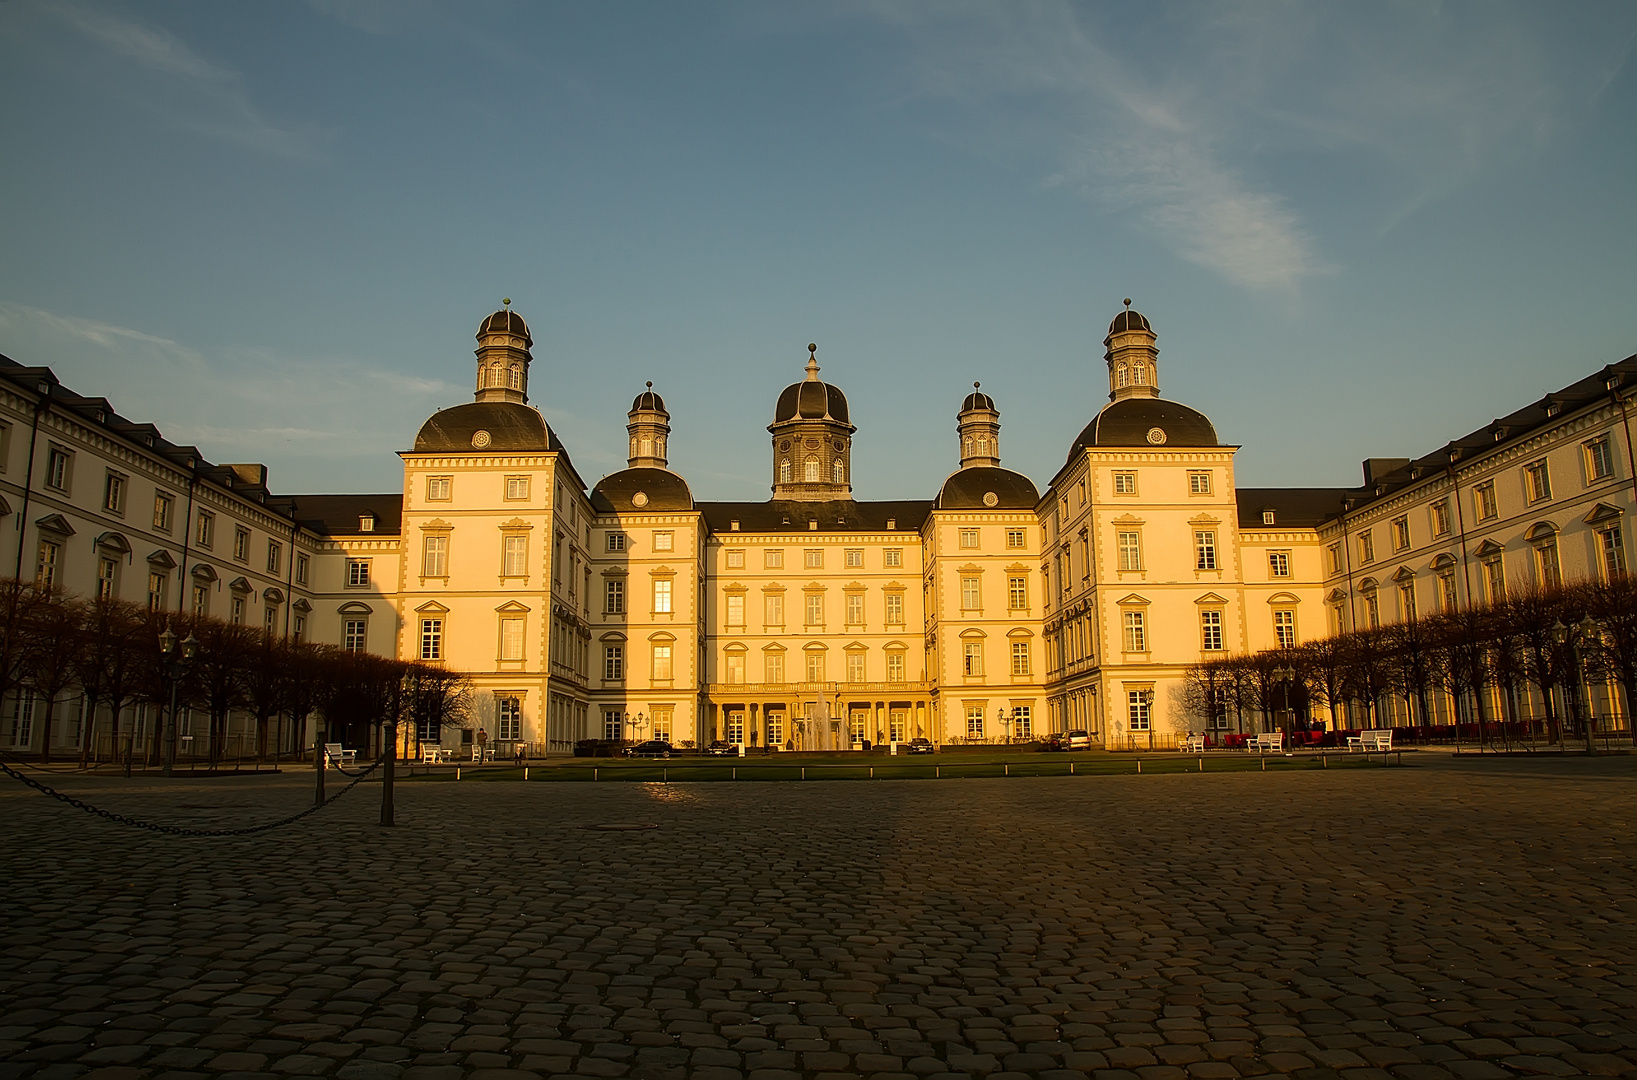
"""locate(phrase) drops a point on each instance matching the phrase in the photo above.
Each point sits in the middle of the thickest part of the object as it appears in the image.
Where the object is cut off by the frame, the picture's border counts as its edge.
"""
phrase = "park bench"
(1377, 740)
(432, 755)
(334, 751)
(1272, 742)
(1193, 744)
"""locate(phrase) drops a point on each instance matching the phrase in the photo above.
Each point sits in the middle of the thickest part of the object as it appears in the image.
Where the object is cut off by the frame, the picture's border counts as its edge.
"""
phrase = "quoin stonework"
(994, 610)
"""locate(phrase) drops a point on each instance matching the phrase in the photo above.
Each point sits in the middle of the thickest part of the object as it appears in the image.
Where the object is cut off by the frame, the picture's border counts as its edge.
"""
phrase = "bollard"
(457, 772)
(318, 772)
(1201, 764)
(1071, 768)
(937, 772)
(735, 773)
(1264, 764)
(804, 772)
(1007, 767)
(593, 774)
(1324, 763)
(1139, 766)
(525, 772)
(872, 772)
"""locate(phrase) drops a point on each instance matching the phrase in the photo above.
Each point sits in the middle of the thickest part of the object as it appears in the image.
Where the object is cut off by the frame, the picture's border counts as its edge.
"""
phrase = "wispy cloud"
(215, 101)
(311, 418)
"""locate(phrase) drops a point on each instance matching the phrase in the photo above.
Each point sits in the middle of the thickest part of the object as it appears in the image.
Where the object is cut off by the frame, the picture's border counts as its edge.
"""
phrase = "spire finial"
(1128, 303)
(812, 363)
(506, 302)
(976, 384)
(650, 384)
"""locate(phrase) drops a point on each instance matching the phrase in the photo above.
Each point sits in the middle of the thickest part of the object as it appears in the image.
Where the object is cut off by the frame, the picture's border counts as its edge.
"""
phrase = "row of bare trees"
(1540, 646)
(53, 644)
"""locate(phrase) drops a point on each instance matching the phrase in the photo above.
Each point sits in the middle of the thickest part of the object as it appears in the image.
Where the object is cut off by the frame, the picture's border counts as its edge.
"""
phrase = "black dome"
(968, 490)
(977, 399)
(510, 426)
(648, 401)
(661, 489)
(1128, 320)
(811, 400)
(506, 321)
(1128, 423)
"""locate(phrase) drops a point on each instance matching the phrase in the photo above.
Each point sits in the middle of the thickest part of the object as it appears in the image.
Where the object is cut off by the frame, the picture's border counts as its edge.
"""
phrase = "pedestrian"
(517, 753)
(482, 744)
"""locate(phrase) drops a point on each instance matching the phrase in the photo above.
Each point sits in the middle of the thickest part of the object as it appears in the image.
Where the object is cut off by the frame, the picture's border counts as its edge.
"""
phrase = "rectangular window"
(1483, 500)
(431, 639)
(275, 556)
(974, 721)
(1551, 573)
(1284, 628)
(236, 611)
(893, 557)
(435, 556)
(270, 619)
(1366, 546)
(1406, 601)
(662, 715)
(1269, 517)
(300, 628)
(815, 609)
(662, 595)
(662, 662)
(1440, 518)
(815, 667)
(663, 541)
(895, 667)
(736, 609)
(511, 638)
(106, 570)
(1014, 538)
(813, 558)
(971, 590)
(59, 468)
(352, 635)
(614, 596)
(735, 668)
(1136, 632)
(855, 557)
(1538, 481)
(514, 555)
(1022, 721)
(301, 569)
(46, 565)
(616, 541)
(736, 558)
(1613, 547)
(509, 713)
(972, 658)
(1446, 590)
(438, 488)
(517, 488)
(895, 609)
(1599, 459)
(855, 609)
(969, 538)
(855, 667)
(1017, 592)
(1210, 626)
(1199, 483)
(1335, 558)
(773, 558)
(1130, 545)
(773, 667)
(241, 543)
(207, 529)
(1401, 533)
(1372, 610)
(201, 599)
(113, 493)
(156, 591)
(613, 663)
(1278, 564)
(773, 609)
(1137, 709)
(1020, 658)
(1205, 549)
(163, 508)
(613, 724)
(1125, 483)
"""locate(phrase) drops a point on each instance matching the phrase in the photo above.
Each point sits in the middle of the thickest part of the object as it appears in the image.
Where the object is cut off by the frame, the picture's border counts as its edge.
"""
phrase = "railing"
(812, 689)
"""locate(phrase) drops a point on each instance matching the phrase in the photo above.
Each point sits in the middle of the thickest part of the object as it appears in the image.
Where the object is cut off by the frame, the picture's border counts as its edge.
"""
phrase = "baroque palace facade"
(629, 609)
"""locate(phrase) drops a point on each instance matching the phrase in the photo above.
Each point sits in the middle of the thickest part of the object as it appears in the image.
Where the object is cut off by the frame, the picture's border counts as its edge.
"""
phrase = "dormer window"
(366, 522)
(1267, 517)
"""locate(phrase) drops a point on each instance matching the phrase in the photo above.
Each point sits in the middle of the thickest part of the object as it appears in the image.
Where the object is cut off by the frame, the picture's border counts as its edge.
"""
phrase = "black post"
(389, 747)
(318, 768)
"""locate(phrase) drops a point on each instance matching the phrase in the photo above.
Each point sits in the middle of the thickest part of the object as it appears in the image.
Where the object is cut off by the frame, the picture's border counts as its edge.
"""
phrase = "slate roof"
(841, 515)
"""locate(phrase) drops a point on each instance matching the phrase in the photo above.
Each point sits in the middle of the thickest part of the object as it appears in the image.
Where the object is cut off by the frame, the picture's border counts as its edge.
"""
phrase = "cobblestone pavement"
(1468, 920)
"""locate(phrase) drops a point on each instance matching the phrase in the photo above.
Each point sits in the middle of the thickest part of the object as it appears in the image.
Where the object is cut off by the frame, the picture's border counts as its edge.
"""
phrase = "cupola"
(978, 423)
(1132, 357)
(649, 427)
(503, 344)
(812, 440)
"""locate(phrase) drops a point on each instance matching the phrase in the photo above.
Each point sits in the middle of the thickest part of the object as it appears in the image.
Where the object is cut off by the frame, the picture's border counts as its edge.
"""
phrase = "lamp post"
(175, 664)
(1147, 699)
(1285, 676)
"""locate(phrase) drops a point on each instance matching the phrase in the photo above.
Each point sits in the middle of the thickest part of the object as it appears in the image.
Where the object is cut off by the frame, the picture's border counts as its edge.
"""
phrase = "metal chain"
(177, 830)
(344, 772)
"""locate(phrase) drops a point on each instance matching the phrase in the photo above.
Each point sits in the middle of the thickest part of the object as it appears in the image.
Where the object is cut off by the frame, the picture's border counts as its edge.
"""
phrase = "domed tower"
(649, 427)
(812, 440)
(979, 425)
(1133, 359)
(503, 344)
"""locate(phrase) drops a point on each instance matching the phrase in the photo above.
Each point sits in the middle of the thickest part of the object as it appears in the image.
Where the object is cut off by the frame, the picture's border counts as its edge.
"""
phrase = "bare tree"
(106, 665)
(53, 635)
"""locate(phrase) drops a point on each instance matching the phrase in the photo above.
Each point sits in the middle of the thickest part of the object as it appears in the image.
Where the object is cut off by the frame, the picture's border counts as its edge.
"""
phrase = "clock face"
(480, 439)
(1156, 436)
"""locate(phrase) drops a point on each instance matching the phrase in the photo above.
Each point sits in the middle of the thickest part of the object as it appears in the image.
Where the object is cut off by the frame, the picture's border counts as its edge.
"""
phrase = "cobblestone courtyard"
(1468, 919)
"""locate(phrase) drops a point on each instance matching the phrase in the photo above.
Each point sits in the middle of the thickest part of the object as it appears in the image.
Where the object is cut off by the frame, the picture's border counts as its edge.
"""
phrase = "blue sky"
(1359, 230)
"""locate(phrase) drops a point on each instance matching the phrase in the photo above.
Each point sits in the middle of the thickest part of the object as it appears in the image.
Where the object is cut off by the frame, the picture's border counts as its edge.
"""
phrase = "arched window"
(968, 443)
(633, 446)
(784, 471)
(1120, 375)
(810, 471)
(838, 472)
(659, 446)
(983, 446)
(496, 377)
(517, 377)
(647, 447)
(1139, 375)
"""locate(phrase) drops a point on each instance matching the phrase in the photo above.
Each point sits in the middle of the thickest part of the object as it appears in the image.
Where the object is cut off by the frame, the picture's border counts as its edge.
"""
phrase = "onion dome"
(988, 487)
(811, 399)
(641, 491)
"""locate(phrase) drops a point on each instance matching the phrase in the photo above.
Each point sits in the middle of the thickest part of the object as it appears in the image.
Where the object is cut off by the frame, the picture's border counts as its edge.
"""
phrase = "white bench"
(432, 755)
(1376, 740)
(1272, 742)
(1193, 744)
(334, 751)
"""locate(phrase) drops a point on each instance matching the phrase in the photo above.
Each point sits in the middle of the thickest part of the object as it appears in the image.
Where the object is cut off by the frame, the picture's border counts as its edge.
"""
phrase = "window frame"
(440, 488)
(1205, 550)
(1599, 450)
(1199, 482)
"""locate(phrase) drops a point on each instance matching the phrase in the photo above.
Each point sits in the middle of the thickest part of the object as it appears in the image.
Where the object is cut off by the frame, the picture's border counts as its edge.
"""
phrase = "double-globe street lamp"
(174, 664)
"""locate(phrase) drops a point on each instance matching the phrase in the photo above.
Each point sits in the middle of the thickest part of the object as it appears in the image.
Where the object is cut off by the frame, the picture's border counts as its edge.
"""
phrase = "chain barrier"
(178, 830)
(328, 761)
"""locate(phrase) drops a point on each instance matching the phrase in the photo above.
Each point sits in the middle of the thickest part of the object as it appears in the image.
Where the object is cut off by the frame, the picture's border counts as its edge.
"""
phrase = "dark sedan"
(652, 748)
(920, 746)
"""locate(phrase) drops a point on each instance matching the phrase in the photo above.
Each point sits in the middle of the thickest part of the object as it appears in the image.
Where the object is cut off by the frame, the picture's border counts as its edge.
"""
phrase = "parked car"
(1077, 740)
(1052, 741)
(652, 748)
(919, 746)
(719, 748)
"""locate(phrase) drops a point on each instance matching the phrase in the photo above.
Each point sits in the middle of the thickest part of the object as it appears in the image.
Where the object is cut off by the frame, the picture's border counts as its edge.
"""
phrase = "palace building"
(992, 610)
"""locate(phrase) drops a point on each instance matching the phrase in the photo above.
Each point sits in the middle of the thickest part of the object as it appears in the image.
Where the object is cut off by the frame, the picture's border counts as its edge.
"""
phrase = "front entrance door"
(736, 726)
